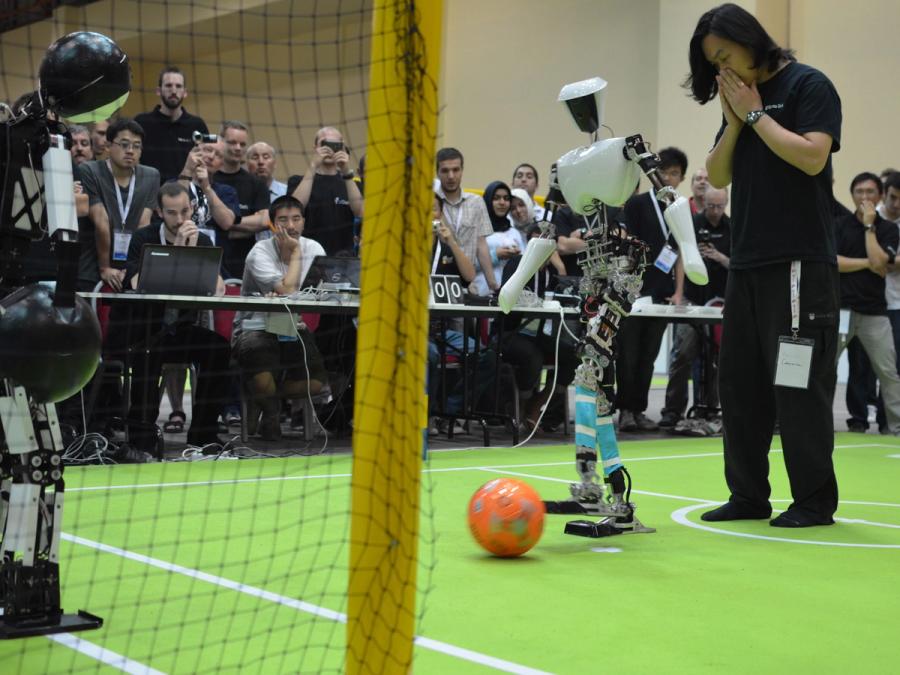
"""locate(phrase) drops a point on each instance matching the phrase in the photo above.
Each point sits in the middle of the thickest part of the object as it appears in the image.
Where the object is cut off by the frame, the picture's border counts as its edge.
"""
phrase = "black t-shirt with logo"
(778, 212)
(329, 218)
(168, 143)
(566, 221)
(863, 291)
(253, 196)
(720, 238)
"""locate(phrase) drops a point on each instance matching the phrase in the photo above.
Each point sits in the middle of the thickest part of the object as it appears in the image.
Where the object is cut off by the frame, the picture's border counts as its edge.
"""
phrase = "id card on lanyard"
(668, 256)
(121, 238)
(794, 360)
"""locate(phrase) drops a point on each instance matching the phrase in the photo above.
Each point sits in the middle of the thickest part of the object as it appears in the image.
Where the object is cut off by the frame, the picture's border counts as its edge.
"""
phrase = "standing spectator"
(699, 185)
(864, 240)
(169, 128)
(525, 176)
(713, 231)
(781, 120)
(82, 150)
(122, 194)
(253, 196)
(261, 163)
(331, 198)
(889, 209)
(465, 213)
(639, 337)
(506, 242)
(217, 205)
(99, 143)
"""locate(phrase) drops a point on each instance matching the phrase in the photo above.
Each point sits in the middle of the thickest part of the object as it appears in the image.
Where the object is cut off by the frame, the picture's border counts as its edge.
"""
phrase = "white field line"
(237, 481)
(299, 605)
(103, 655)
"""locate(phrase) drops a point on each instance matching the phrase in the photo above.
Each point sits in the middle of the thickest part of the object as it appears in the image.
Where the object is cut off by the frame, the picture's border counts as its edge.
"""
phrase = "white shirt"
(263, 269)
(891, 279)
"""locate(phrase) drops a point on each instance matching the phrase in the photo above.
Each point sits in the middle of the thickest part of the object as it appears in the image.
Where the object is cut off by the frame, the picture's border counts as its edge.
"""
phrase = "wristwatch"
(349, 175)
(753, 117)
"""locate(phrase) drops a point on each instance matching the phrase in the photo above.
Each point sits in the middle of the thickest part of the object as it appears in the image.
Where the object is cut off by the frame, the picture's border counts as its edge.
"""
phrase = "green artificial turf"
(682, 600)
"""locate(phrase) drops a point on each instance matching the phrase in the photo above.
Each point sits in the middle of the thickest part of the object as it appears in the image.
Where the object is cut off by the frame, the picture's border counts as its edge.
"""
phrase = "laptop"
(334, 273)
(179, 270)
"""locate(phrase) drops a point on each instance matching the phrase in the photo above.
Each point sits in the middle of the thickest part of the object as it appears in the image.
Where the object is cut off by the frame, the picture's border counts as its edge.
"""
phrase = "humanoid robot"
(49, 337)
(592, 178)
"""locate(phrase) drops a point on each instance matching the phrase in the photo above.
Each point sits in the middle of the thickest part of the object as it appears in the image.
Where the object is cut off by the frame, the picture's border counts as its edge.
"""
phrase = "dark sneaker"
(626, 421)
(644, 423)
(736, 511)
(270, 427)
(797, 518)
(669, 420)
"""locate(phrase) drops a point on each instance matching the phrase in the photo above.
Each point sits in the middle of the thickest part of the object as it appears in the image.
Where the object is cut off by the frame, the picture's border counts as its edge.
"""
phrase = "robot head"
(84, 77)
(585, 102)
(599, 172)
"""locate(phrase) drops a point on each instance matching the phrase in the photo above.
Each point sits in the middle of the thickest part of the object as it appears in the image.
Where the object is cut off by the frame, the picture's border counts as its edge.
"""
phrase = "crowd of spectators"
(163, 178)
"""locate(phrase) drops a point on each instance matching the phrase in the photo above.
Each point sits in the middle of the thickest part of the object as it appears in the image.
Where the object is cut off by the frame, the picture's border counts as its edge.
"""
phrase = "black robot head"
(84, 77)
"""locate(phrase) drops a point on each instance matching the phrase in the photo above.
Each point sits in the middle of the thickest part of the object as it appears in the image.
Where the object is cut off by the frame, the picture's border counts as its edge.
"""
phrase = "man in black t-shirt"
(713, 231)
(639, 338)
(781, 122)
(169, 128)
(331, 198)
(253, 195)
(864, 240)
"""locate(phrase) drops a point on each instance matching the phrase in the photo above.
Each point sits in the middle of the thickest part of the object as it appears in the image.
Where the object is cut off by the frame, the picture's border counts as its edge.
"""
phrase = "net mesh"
(238, 554)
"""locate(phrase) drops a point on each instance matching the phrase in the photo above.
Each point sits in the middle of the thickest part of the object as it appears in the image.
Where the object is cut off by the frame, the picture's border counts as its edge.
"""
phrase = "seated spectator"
(279, 356)
(506, 242)
(713, 231)
(122, 194)
(529, 344)
(449, 258)
(522, 215)
(176, 336)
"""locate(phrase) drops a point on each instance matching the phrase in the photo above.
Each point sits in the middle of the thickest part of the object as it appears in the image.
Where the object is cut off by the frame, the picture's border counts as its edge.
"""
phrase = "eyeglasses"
(717, 207)
(128, 145)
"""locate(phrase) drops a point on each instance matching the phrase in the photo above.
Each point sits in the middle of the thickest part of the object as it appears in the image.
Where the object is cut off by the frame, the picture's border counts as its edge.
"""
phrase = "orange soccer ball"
(506, 517)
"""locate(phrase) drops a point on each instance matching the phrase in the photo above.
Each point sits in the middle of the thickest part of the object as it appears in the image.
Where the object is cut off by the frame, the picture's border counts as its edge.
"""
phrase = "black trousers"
(184, 343)
(528, 354)
(638, 343)
(757, 312)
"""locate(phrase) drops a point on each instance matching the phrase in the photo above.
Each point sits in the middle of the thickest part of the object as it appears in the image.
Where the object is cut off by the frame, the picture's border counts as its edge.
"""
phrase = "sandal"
(175, 425)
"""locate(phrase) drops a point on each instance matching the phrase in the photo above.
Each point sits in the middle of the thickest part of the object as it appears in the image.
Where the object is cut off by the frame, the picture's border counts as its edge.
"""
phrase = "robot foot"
(572, 507)
(621, 524)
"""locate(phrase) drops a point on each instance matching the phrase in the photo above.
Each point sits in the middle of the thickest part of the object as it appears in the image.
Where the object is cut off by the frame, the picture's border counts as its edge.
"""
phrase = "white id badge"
(794, 362)
(121, 242)
(665, 261)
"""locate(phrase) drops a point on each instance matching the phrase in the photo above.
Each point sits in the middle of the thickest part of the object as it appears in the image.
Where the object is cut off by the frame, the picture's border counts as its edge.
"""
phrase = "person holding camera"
(330, 196)
(713, 231)
(216, 205)
(169, 128)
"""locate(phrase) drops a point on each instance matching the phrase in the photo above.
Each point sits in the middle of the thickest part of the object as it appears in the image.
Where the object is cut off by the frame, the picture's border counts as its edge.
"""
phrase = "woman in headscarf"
(506, 242)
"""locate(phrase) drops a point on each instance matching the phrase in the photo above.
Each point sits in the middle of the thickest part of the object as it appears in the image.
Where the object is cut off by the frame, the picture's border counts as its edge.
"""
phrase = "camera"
(336, 146)
(704, 236)
(200, 137)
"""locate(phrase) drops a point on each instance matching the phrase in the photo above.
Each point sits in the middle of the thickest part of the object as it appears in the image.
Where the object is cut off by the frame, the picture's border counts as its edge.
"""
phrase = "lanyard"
(437, 257)
(795, 297)
(659, 216)
(162, 234)
(126, 207)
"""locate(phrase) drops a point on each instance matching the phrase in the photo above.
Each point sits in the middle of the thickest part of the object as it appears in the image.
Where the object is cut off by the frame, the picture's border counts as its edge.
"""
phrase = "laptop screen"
(333, 272)
(179, 270)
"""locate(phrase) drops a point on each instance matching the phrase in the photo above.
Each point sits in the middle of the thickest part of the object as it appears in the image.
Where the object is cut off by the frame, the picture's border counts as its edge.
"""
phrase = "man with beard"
(169, 128)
